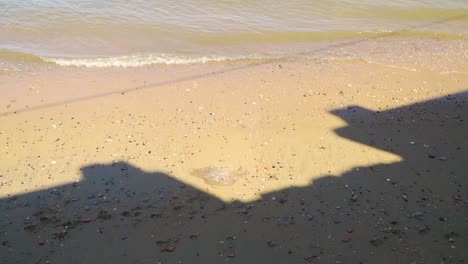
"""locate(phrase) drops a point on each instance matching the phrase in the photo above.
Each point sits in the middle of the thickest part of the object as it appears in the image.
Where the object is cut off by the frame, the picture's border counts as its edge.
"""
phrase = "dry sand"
(290, 161)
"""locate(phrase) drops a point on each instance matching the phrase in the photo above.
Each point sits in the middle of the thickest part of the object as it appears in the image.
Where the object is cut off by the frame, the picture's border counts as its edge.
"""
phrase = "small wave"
(139, 60)
(11, 55)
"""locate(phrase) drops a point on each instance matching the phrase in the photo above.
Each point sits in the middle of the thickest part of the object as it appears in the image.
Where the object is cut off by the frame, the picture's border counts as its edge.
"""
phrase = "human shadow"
(413, 211)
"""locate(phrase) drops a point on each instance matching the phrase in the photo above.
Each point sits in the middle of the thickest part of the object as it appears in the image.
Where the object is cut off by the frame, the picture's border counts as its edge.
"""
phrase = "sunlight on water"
(198, 28)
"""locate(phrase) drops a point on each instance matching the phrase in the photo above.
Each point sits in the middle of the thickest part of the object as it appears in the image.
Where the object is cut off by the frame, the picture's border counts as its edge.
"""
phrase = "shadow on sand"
(413, 211)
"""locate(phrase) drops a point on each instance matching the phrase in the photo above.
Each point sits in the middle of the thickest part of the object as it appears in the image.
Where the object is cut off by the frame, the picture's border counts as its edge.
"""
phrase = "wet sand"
(296, 161)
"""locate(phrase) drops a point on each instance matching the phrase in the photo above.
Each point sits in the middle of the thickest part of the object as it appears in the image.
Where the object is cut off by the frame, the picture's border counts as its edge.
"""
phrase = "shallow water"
(135, 33)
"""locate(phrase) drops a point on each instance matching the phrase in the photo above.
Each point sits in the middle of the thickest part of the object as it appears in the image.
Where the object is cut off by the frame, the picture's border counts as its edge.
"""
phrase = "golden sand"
(271, 120)
(248, 135)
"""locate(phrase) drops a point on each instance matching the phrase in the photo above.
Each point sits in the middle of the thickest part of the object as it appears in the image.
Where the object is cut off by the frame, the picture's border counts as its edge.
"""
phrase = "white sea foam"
(139, 60)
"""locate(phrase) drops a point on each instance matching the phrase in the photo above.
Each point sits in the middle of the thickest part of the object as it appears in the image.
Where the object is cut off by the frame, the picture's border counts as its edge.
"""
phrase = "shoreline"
(370, 48)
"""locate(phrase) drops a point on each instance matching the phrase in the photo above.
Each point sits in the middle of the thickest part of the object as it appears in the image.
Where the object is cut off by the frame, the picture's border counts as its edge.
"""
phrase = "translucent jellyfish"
(218, 176)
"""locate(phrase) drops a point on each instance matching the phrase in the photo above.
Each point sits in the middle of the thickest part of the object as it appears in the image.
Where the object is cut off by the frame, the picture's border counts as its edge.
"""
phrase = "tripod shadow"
(413, 211)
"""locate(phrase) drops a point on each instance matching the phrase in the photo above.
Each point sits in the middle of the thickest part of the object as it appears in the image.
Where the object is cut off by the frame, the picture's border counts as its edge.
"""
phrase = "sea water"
(98, 33)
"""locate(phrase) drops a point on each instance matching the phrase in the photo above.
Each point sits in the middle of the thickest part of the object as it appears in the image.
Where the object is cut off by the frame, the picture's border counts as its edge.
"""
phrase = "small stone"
(168, 249)
(347, 237)
(451, 237)
(417, 215)
(424, 229)
(376, 242)
(104, 215)
(30, 228)
(310, 258)
(271, 243)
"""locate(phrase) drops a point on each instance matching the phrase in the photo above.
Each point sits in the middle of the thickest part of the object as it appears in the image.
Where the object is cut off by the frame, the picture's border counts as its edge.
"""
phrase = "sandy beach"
(281, 161)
